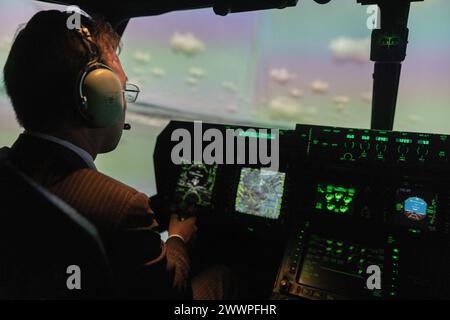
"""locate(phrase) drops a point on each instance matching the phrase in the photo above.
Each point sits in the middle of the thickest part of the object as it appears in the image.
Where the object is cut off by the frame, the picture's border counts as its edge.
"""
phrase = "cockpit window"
(308, 64)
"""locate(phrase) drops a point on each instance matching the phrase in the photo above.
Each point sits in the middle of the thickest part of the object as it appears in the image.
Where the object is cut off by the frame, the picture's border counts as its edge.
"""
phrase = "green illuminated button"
(329, 242)
(361, 261)
(347, 157)
(339, 251)
(396, 258)
(396, 250)
(404, 140)
(328, 249)
(351, 248)
(347, 200)
(330, 206)
(338, 196)
(343, 209)
(339, 243)
(329, 197)
(350, 258)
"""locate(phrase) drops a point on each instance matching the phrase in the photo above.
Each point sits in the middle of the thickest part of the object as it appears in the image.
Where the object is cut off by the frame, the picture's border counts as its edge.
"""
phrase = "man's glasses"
(131, 92)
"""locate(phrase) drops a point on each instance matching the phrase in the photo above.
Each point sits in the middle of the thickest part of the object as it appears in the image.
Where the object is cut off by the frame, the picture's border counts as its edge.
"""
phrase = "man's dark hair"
(43, 66)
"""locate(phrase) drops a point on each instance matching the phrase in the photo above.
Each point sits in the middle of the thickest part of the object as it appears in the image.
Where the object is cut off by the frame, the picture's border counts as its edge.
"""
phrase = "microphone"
(127, 126)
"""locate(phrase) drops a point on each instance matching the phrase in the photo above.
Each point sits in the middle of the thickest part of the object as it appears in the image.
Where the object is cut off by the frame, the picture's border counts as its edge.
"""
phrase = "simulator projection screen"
(260, 193)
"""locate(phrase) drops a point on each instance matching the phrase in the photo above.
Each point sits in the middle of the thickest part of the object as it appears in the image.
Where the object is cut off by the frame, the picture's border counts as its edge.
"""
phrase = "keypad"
(339, 255)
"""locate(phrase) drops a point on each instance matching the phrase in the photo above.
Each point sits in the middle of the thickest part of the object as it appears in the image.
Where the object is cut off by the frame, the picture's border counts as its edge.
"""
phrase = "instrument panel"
(345, 204)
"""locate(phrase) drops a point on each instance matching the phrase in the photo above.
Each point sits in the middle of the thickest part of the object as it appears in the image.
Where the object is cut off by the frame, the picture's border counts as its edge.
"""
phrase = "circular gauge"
(415, 209)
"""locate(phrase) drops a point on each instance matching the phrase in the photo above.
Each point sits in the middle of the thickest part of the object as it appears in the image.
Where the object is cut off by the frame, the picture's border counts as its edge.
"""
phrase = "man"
(59, 145)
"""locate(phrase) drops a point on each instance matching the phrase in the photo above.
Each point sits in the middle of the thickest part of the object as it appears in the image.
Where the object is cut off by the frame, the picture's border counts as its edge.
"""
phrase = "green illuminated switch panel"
(335, 199)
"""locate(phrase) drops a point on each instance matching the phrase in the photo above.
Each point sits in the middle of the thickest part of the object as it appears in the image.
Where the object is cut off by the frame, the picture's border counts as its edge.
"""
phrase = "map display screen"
(260, 193)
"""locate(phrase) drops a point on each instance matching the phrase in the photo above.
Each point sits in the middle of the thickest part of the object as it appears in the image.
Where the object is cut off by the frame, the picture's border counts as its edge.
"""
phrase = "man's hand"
(186, 228)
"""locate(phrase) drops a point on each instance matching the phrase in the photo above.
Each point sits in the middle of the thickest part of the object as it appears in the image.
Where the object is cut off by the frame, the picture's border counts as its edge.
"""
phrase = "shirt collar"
(83, 154)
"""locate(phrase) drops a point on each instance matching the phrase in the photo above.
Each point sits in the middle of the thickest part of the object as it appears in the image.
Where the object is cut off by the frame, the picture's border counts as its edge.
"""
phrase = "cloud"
(146, 120)
(341, 103)
(197, 73)
(320, 87)
(186, 43)
(289, 109)
(232, 108)
(282, 75)
(341, 100)
(142, 57)
(229, 86)
(285, 107)
(414, 118)
(296, 93)
(346, 49)
(157, 72)
(190, 81)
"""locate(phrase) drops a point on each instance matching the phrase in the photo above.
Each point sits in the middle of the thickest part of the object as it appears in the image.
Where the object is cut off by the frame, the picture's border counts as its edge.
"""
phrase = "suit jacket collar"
(83, 154)
(44, 160)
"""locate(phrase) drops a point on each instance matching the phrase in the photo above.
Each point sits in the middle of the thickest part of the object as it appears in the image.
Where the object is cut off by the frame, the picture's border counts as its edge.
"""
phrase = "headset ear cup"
(103, 95)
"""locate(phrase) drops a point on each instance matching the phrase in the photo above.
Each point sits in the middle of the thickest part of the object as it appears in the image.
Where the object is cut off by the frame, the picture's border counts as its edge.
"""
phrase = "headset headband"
(88, 43)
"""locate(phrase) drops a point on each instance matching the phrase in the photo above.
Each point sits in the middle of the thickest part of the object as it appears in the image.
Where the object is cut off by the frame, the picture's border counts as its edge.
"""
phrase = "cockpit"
(310, 139)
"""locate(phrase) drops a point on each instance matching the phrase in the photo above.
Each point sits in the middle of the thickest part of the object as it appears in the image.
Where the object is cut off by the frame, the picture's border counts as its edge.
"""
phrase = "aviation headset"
(99, 89)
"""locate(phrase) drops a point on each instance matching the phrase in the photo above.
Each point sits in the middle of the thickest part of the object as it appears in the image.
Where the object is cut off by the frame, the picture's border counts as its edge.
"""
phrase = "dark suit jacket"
(145, 267)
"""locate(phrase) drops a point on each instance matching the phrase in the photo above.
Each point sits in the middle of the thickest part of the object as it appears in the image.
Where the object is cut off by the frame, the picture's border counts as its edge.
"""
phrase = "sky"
(308, 64)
